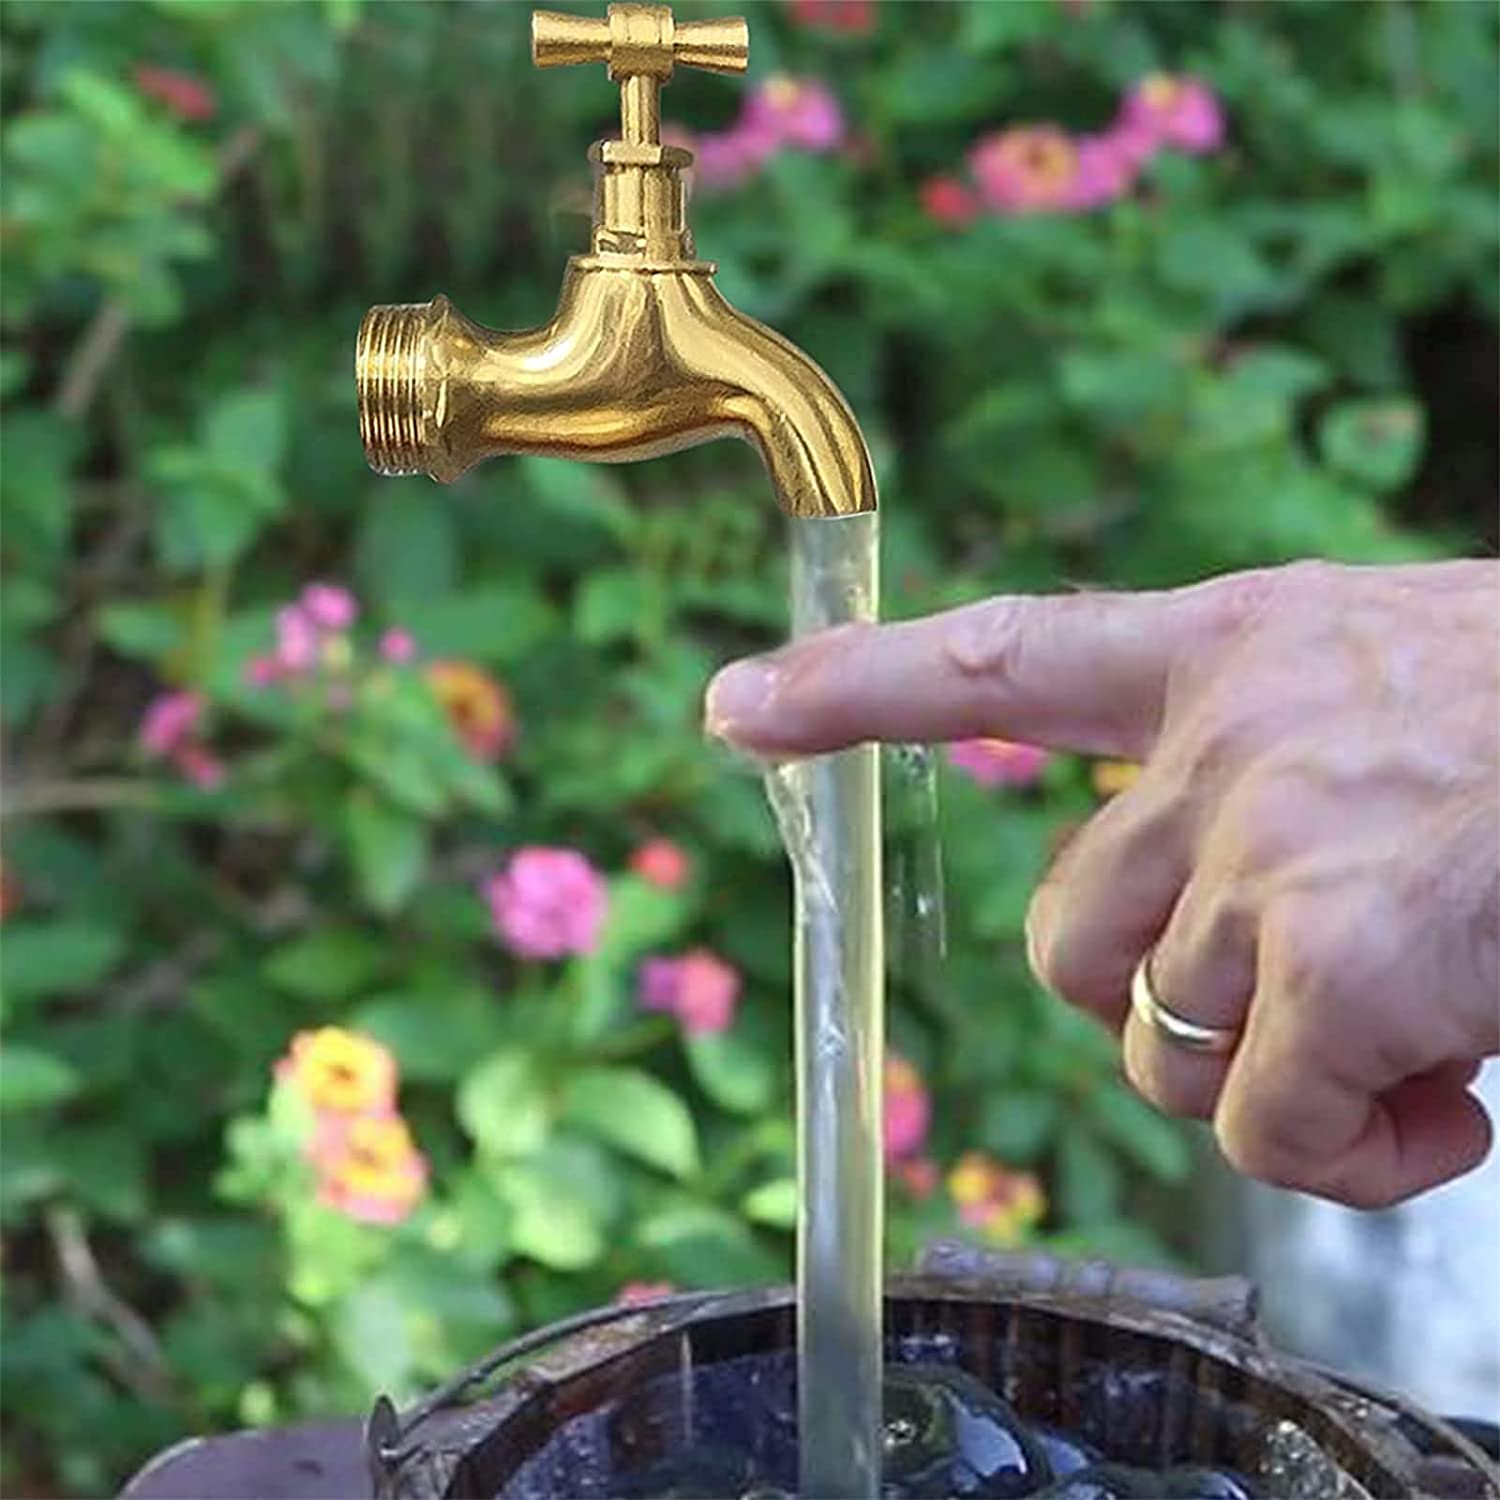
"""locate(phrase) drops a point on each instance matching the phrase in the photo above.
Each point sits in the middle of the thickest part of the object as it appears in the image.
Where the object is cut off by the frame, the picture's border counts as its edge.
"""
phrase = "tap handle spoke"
(640, 44)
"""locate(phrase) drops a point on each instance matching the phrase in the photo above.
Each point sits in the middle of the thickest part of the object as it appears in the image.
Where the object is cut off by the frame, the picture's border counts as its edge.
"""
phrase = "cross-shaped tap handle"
(641, 44)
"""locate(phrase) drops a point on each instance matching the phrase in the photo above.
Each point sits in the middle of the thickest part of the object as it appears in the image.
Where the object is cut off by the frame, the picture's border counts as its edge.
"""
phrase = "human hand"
(1311, 853)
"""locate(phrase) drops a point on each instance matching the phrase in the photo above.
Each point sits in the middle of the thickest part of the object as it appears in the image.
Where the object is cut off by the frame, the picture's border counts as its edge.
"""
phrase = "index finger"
(1085, 672)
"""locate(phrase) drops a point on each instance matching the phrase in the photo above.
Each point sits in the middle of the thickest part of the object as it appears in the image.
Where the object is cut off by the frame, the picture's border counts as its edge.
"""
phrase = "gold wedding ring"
(1218, 1040)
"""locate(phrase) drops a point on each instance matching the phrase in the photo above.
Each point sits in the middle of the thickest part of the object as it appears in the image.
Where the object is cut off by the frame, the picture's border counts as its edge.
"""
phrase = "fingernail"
(737, 696)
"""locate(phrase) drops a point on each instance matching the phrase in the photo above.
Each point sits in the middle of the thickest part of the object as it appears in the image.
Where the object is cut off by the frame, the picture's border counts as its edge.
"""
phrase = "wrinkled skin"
(1311, 853)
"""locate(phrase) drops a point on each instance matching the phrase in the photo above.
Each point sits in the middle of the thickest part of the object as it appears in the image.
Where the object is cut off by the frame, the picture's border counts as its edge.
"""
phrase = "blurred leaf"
(405, 552)
(1088, 1183)
(48, 958)
(1376, 442)
(502, 1104)
(247, 429)
(1148, 1139)
(641, 916)
(31, 1079)
(435, 1032)
(550, 1222)
(1018, 1124)
(332, 963)
(617, 604)
(498, 622)
(773, 1203)
(150, 632)
(36, 489)
(698, 1244)
(732, 1068)
(635, 1113)
(388, 847)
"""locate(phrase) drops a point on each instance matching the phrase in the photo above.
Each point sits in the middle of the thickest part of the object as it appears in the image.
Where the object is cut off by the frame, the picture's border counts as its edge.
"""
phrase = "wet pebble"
(948, 1437)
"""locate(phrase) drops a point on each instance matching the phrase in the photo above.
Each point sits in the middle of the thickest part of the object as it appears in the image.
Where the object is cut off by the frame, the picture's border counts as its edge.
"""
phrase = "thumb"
(1084, 672)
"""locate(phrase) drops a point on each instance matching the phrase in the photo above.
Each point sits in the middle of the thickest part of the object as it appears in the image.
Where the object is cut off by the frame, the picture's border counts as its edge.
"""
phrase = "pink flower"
(724, 159)
(946, 201)
(794, 112)
(397, 646)
(170, 721)
(1107, 166)
(296, 640)
(1028, 169)
(200, 766)
(368, 1167)
(992, 762)
(548, 903)
(908, 1110)
(1179, 111)
(661, 863)
(262, 671)
(186, 97)
(699, 988)
(329, 606)
(633, 1293)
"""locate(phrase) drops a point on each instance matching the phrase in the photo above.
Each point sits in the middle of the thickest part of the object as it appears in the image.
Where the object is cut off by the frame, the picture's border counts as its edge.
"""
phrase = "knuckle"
(1304, 949)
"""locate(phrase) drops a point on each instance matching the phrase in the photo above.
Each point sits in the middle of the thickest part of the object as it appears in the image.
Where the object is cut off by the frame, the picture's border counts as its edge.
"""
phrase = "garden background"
(318, 1079)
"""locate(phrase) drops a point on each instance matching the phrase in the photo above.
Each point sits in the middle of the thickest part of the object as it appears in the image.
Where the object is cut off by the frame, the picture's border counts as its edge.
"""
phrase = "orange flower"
(1001, 1203)
(340, 1071)
(368, 1167)
(477, 706)
(1113, 776)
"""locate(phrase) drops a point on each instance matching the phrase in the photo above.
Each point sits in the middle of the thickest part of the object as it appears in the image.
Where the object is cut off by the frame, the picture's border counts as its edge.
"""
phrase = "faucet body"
(644, 355)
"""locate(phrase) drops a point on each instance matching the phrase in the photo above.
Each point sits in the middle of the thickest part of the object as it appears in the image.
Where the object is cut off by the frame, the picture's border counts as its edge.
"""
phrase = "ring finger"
(1202, 970)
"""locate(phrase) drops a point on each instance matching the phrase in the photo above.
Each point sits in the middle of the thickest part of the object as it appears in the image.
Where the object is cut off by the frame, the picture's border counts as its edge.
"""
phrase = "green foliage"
(1229, 368)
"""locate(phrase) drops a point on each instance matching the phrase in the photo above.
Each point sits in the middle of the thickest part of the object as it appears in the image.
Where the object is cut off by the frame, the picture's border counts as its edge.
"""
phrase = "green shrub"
(1225, 365)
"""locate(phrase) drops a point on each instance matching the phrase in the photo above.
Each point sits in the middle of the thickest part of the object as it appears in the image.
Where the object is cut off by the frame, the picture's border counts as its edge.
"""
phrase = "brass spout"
(633, 365)
(644, 355)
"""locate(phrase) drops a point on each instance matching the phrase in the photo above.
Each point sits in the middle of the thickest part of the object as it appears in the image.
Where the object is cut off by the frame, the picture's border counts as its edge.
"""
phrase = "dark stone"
(949, 1437)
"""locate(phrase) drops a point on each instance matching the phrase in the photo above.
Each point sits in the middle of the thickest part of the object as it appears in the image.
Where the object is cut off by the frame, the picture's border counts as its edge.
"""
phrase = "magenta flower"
(699, 988)
(781, 112)
(908, 1110)
(262, 671)
(170, 722)
(794, 112)
(200, 765)
(329, 606)
(296, 640)
(1178, 111)
(548, 903)
(992, 762)
(1106, 170)
(397, 645)
(725, 159)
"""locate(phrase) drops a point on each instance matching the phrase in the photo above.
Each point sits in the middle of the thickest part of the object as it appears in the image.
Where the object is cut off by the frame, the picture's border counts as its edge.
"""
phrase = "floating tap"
(644, 355)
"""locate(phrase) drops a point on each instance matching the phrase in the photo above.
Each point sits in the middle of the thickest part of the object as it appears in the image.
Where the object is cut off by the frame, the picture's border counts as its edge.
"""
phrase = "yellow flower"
(1000, 1203)
(477, 706)
(340, 1071)
(1114, 776)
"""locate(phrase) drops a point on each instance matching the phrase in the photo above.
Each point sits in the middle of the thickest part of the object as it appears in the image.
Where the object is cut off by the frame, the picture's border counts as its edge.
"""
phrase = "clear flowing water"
(828, 809)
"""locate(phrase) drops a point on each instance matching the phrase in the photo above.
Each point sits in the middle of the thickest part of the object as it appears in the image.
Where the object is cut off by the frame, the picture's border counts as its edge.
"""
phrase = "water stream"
(828, 809)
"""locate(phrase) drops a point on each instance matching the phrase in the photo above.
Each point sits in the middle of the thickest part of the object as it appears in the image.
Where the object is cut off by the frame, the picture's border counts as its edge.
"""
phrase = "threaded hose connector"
(391, 360)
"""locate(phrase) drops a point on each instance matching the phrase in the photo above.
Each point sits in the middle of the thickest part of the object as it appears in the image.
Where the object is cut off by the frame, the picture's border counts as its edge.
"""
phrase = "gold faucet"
(644, 356)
